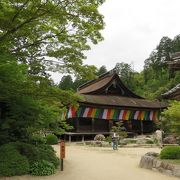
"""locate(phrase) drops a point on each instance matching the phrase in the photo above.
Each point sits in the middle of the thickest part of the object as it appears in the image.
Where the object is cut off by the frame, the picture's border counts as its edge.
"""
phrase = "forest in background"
(155, 79)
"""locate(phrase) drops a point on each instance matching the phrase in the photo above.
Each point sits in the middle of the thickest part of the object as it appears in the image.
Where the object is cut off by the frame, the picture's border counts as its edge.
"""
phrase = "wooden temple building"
(174, 65)
(107, 100)
(172, 94)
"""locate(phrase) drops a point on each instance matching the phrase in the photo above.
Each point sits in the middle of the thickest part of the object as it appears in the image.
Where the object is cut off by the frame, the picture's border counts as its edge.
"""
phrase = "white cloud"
(133, 29)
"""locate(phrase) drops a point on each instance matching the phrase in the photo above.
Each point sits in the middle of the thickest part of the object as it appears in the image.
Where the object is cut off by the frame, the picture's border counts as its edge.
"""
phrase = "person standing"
(115, 139)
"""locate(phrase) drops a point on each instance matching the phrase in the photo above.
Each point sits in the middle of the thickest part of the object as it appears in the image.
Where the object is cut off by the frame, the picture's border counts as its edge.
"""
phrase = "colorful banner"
(113, 114)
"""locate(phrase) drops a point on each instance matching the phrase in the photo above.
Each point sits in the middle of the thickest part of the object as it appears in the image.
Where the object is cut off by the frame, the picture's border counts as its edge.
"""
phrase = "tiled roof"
(121, 101)
(95, 85)
(173, 93)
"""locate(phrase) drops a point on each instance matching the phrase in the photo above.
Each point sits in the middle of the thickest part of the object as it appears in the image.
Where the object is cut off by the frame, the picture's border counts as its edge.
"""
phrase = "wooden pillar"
(142, 127)
(77, 124)
(110, 124)
(82, 138)
(92, 124)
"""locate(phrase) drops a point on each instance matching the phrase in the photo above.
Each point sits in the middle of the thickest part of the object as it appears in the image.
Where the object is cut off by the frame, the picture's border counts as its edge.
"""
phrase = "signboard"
(62, 149)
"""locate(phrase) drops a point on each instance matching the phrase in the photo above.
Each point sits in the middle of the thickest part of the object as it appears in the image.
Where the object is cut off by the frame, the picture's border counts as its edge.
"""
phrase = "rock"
(98, 143)
(169, 140)
(154, 162)
(158, 164)
(168, 172)
(150, 162)
(176, 172)
(146, 162)
(154, 154)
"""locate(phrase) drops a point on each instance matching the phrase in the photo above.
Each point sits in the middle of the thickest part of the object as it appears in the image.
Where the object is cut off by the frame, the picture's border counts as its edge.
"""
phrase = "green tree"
(50, 34)
(171, 122)
(101, 70)
(66, 83)
(126, 73)
(119, 129)
(29, 105)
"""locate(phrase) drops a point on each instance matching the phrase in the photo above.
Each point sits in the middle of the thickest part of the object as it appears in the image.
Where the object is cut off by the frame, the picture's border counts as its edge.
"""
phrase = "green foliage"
(171, 121)
(12, 162)
(27, 150)
(101, 70)
(66, 83)
(171, 152)
(35, 153)
(157, 78)
(109, 139)
(37, 139)
(29, 107)
(88, 73)
(119, 129)
(149, 141)
(33, 30)
(42, 168)
(126, 73)
(46, 147)
(51, 139)
(48, 155)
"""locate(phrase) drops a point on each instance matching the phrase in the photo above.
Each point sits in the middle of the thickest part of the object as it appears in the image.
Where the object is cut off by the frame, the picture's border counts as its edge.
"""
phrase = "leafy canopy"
(51, 33)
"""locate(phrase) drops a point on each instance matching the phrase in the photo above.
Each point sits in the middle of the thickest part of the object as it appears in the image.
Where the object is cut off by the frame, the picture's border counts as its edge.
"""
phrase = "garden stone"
(176, 172)
(169, 140)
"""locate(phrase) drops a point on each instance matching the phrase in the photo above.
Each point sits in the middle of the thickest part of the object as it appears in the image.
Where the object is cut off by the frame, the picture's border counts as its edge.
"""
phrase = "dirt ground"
(97, 163)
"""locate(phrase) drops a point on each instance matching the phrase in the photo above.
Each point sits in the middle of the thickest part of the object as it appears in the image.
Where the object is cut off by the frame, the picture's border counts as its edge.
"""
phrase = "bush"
(99, 137)
(42, 168)
(37, 139)
(149, 141)
(36, 153)
(51, 139)
(46, 147)
(16, 157)
(171, 152)
(48, 155)
(109, 139)
(12, 162)
(28, 150)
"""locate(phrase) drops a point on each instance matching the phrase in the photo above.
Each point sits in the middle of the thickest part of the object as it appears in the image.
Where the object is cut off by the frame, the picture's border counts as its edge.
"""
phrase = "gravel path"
(90, 163)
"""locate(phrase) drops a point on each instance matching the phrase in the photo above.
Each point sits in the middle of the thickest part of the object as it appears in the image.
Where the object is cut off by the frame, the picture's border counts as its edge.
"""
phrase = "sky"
(133, 29)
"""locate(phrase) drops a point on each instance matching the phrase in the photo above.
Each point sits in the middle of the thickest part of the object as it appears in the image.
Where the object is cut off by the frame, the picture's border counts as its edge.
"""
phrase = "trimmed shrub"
(149, 141)
(37, 139)
(49, 156)
(51, 139)
(28, 150)
(12, 162)
(42, 168)
(46, 147)
(99, 137)
(171, 152)
(37, 153)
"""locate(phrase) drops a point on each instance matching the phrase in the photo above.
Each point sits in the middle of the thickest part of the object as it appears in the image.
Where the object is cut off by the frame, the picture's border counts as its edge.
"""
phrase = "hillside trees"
(157, 78)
